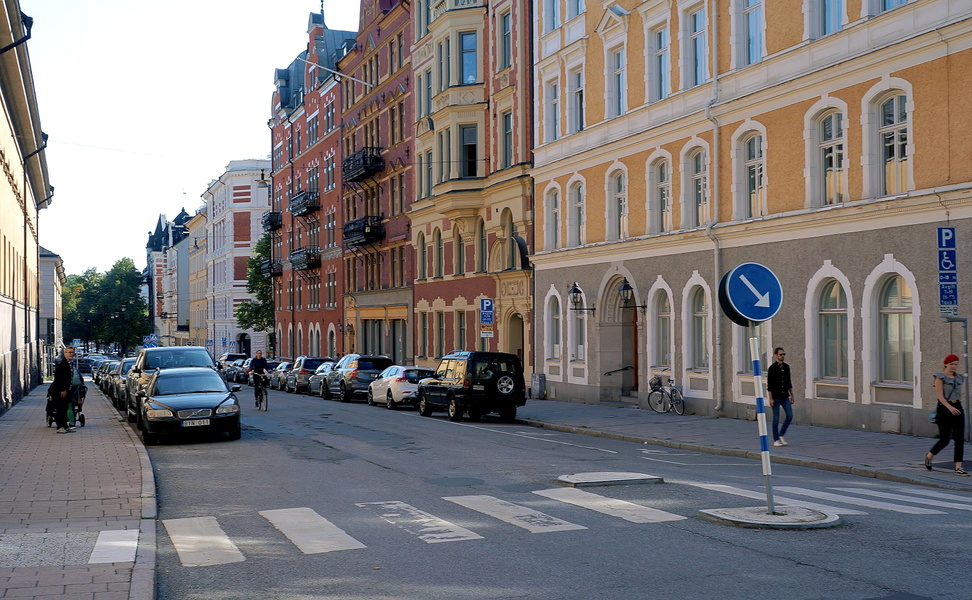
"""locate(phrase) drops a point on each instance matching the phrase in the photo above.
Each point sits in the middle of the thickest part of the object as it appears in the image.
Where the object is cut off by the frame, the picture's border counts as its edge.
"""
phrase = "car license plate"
(479, 387)
(195, 423)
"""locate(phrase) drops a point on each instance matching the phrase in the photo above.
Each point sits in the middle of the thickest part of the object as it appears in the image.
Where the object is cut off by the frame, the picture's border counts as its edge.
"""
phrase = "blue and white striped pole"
(761, 420)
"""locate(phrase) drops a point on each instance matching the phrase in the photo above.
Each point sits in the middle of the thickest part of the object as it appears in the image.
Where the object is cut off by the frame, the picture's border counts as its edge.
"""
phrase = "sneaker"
(961, 472)
(61, 430)
(783, 442)
(928, 463)
(71, 429)
(778, 443)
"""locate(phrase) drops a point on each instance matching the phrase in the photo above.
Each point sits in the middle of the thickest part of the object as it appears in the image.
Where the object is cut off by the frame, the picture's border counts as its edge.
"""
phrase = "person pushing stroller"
(61, 393)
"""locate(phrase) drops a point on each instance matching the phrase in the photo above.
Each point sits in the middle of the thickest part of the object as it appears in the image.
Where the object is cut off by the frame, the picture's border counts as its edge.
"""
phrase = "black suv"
(477, 382)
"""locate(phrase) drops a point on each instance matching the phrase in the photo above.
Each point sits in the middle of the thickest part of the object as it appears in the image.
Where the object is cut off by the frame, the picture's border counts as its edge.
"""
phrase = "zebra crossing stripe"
(117, 545)
(616, 508)
(942, 495)
(200, 542)
(309, 531)
(911, 510)
(728, 489)
(904, 498)
(426, 527)
(514, 514)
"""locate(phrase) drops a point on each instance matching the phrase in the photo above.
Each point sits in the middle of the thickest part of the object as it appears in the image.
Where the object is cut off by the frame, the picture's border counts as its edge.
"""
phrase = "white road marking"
(685, 464)
(309, 531)
(201, 542)
(117, 545)
(628, 511)
(904, 498)
(428, 528)
(861, 501)
(943, 495)
(514, 514)
(728, 489)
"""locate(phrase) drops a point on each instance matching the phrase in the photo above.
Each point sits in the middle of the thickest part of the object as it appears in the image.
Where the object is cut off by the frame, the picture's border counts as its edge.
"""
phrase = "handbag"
(933, 416)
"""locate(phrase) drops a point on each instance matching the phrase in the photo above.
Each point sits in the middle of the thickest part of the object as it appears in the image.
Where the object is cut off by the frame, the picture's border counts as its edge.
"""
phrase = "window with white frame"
(552, 221)
(553, 328)
(506, 41)
(753, 25)
(754, 169)
(697, 67)
(659, 69)
(832, 331)
(831, 16)
(575, 108)
(699, 351)
(468, 151)
(577, 336)
(551, 15)
(617, 82)
(832, 171)
(896, 335)
(761, 333)
(886, 5)
(506, 120)
(662, 350)
(574, 8)
(618, 209)
(893, 134)
(575, 214)
(469, 58)
(551, 117)
(698, 201)
(512, 244)
(422, 256)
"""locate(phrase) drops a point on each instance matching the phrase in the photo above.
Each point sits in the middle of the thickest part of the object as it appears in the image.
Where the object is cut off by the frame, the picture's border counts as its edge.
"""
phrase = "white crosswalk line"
(514, 514)
(616, 508)
(903, 498)
(911, 510)
(200, 542)
(117, 545)
(942, 495)
(728, 489)
(309, 531)
(426, 527)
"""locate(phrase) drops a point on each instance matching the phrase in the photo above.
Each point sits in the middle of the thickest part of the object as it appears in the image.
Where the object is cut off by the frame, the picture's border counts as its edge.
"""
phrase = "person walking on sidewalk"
(949, 414)
(780, 388)
(62, 389)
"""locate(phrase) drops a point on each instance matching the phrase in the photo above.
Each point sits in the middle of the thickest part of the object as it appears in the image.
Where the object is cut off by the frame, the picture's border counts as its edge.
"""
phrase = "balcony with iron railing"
(272, 220)
(304, 202)
(303, 259)
(273, 268)
(364, 230)
(363, 164)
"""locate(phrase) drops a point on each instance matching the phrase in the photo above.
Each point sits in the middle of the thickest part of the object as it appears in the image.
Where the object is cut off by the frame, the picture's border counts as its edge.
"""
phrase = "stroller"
(74, 408)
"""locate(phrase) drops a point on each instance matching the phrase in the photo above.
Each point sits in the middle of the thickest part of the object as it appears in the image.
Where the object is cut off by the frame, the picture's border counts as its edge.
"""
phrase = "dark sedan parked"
(188, 399)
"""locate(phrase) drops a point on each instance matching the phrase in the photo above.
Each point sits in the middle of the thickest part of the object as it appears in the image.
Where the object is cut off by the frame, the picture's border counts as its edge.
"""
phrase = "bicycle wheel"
(658, 401)
(678, 404)
(258, 396)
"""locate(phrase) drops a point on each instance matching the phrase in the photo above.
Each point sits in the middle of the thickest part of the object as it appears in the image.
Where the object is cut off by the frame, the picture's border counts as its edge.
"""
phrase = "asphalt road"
(327, 500)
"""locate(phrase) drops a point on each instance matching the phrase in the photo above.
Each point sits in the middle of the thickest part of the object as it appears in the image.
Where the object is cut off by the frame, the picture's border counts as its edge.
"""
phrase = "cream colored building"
(198, 280)
(822, 138)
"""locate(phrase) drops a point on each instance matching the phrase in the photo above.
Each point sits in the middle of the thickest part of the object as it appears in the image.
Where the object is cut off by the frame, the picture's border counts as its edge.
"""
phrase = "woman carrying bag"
(950, 416)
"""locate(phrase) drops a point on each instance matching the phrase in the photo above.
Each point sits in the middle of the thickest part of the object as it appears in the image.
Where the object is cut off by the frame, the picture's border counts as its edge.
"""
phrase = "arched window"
(754, 170)
(896, 331)
(552, 221)
(553, 328)
(698, 200)
(460, 252)
(832, 327)
(832, 173)
(331, 344)
(422, 257)
(512, 247)
(618, 210)
(439, 253)
(661, 198)
(662, 352)
(575, 215)
(700, 330)
(481, 250)
(893, 132)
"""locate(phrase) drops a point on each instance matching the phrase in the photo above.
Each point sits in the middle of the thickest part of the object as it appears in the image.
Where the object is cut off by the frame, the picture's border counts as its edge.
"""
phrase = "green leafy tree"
(257, 314)
(106, 307)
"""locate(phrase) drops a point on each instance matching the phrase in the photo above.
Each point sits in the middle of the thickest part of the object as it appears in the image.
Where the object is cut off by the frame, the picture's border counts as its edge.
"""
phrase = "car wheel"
(130, 416)
(455, 411)
(325, 391)
(389, 401)
(371, 397)
(425, 409)
(343, 395)
(508, 413)
(505, 385)
(235, 433)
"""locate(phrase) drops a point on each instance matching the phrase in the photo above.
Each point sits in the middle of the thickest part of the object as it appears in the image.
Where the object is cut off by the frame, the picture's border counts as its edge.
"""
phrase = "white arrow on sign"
(764, 300)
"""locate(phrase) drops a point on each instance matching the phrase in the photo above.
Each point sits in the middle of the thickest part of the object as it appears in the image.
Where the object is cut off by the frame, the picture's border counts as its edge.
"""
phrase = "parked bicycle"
(663, 398)
(260, 391)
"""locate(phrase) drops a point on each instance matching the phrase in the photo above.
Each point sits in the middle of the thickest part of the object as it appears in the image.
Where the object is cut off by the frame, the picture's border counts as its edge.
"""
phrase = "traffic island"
(757, 517)
(606, 478)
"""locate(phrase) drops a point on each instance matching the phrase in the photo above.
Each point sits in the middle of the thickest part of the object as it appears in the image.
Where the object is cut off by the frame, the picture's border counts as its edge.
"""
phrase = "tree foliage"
(106, 307)
(257, 314)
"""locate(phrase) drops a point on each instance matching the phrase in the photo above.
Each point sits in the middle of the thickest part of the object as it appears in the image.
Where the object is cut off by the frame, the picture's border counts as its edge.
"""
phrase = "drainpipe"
(715, 363)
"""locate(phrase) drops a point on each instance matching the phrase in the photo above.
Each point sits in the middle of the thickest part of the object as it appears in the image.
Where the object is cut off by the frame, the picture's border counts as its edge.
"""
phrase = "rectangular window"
(574, 8)
(468, 158)
(831, 14)
(506, 40)
(428, 173)
(578, 352)
(617, 83)
(576, 108)
(461, 330)
(440, 333)
(660, 76)
(423, 334)
(753, 14)
(552, 116)
(507, 124)
(698, 67)
(890, 4)
(468, 57)
(428, 92)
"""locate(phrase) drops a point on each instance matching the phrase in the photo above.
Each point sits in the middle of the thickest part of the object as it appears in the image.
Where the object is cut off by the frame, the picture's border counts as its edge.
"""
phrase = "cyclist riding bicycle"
(258, 367)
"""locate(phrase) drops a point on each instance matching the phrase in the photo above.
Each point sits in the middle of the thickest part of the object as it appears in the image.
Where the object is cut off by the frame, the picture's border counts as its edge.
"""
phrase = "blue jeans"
(785, 403)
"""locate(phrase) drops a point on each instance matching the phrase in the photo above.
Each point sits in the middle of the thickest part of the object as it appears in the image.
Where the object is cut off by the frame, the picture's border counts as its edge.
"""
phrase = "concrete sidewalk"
(886, 456)
(73, 506)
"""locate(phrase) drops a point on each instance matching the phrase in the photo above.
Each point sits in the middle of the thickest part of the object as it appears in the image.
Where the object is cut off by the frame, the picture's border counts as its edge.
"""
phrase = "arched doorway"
(514, 338)
(618, 339)
(243, 344)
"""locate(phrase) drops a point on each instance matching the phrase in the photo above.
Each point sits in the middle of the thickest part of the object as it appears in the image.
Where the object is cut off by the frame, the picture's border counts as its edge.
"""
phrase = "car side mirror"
(236, 388)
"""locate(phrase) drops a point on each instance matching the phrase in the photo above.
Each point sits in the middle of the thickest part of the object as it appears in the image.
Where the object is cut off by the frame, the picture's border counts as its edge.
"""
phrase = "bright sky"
(147, 101)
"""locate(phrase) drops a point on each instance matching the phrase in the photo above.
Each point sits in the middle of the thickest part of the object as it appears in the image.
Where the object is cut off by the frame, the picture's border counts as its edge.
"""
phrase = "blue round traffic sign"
(750, 293)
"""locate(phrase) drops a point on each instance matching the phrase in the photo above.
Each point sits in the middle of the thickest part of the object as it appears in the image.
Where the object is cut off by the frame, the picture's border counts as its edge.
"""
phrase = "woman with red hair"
(949, 415)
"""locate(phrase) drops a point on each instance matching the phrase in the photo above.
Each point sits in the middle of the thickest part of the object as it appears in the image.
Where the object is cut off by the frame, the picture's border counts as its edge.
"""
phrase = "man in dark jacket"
(780, 388)
(61, 390)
